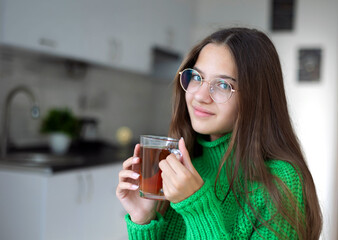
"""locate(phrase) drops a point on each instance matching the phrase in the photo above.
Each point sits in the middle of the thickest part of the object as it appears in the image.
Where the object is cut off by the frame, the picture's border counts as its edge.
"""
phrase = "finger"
(170, 186)
(166, 182)
(124, 174)
(165, 186)
(176, 164)
(122, 186)
(137, 150)
(185, 155)
(169, 176)
(130, 161)
(166, 168)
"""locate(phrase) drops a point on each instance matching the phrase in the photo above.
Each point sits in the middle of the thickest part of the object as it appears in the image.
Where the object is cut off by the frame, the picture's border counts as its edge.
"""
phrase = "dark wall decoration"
(282, 15)
(309, 64)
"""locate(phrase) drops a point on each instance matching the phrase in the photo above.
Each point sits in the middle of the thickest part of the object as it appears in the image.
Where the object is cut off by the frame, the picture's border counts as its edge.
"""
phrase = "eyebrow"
(218, 76)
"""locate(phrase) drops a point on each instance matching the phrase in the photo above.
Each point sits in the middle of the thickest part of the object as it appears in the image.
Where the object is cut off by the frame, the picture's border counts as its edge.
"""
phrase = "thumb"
(137, 150)
(185, 155)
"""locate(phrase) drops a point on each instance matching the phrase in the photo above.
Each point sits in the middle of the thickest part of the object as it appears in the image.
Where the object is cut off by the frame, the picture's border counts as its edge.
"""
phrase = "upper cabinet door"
(105, 32)
(114, 33)
(119, 34)
(172, 24)
(49, 26)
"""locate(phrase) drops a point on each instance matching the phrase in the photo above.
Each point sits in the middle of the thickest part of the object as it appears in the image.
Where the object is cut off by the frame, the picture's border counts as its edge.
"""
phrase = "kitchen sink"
(40, 159)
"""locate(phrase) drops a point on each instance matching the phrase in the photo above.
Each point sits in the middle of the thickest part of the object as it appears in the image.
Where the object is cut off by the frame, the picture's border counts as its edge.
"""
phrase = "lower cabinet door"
(104, 213)
(65, 211)
(83, 205)
(21, 203)
(74, 205)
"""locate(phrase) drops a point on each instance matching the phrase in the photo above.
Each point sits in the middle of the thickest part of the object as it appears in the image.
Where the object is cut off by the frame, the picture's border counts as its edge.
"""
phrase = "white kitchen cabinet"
(85, 30)
(172, 24)
(77, 204)
(109, 33)
(21, 204)
(113, 33)
(120, 34)
(105, 216)
(84, 204)
(63, 211)
(54, 27)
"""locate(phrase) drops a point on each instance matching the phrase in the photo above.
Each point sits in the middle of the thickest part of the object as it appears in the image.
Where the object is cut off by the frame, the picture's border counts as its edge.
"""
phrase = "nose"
(203, 94)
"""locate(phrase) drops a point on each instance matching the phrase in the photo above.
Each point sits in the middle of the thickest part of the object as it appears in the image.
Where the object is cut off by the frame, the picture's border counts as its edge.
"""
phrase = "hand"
(141, 210)
(180, 178)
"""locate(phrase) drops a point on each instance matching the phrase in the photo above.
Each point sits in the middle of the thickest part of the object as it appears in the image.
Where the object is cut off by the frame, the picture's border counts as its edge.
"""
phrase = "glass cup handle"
(177, 153)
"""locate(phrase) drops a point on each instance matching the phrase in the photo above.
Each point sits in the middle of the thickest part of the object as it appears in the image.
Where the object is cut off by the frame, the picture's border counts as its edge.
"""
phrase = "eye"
(222, 84)
(195, 77)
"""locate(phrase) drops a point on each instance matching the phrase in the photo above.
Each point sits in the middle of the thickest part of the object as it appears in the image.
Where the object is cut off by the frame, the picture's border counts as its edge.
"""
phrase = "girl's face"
(208, 117)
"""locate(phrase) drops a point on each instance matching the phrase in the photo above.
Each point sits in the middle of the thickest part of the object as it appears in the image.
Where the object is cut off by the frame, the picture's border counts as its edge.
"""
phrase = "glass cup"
(153, 150)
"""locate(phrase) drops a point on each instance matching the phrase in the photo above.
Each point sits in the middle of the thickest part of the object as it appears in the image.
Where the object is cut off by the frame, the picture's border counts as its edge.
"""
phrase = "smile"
(201, 112)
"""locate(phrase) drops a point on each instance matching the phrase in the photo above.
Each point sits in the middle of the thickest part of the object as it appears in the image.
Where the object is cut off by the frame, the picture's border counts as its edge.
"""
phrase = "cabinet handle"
(115, 46)
(47, 42)
(81, 189)
(90, 186)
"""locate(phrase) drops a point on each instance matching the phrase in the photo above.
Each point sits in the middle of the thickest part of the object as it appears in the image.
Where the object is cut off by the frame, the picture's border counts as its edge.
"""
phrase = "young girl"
(242, 174)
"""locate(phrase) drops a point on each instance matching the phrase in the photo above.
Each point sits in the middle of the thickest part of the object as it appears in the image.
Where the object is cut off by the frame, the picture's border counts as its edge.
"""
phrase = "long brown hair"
(263, 129)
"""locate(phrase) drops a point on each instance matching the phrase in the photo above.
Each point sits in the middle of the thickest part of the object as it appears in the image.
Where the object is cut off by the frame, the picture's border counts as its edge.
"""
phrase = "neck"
(216, 136)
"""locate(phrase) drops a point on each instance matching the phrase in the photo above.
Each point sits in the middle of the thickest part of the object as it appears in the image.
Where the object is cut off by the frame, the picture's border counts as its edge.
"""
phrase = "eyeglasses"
(220, 89)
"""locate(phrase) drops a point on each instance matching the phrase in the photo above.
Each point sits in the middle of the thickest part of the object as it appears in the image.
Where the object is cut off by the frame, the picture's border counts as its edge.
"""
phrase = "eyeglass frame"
(208, 82)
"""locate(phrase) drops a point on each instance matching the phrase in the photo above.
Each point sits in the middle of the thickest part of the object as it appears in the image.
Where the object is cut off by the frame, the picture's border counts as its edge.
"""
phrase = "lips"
(201, 112)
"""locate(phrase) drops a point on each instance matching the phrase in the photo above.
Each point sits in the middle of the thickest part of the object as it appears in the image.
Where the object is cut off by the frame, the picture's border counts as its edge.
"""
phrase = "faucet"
(35, 113)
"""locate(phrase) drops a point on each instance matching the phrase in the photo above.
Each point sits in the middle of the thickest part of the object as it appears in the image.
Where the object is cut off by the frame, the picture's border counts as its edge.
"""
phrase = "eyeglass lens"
(220, 90)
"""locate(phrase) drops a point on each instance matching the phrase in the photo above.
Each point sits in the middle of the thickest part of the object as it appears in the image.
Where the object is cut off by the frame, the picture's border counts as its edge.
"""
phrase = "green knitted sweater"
(204, 216)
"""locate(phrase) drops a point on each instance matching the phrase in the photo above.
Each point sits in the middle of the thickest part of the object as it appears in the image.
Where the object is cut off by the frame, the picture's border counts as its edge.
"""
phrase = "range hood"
(165, 63)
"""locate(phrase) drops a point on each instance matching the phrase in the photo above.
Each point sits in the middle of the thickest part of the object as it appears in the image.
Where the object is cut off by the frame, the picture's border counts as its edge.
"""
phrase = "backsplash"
(116, 98)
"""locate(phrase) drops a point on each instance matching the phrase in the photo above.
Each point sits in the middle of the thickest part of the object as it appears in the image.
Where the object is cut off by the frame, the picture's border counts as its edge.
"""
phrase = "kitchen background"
(114, 61)
(114, 97)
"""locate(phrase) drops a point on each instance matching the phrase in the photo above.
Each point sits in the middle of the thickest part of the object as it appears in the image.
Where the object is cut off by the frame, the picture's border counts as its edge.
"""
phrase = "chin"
(206, 130)
(202, 129)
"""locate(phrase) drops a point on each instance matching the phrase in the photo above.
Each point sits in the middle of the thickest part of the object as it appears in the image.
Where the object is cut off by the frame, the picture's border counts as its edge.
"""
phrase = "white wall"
(313, 106)
(214, 14)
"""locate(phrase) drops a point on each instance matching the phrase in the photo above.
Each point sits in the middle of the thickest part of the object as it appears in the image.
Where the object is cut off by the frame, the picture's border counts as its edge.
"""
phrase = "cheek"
(188, 100)
(229, 115)
(227, 121)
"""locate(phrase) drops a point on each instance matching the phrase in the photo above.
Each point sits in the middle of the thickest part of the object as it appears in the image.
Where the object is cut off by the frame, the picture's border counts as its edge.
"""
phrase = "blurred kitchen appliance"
(165, 63)
(88, 129)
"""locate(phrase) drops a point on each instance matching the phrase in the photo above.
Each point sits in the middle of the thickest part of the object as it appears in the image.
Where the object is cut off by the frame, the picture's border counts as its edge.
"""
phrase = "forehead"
(216, 59)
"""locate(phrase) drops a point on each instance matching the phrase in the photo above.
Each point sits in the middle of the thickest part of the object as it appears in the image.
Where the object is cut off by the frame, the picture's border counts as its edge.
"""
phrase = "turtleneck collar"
(209, 144)
(213, 152)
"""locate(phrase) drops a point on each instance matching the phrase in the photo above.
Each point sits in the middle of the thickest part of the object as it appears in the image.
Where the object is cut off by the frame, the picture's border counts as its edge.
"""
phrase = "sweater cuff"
(202, 214)
(195, 200)
(153, 230)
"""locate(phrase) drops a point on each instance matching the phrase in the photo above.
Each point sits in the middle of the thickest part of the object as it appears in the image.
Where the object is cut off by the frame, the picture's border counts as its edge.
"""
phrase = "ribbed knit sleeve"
(153, 230)
(280, 228)
(264, 207)
(202, 214)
